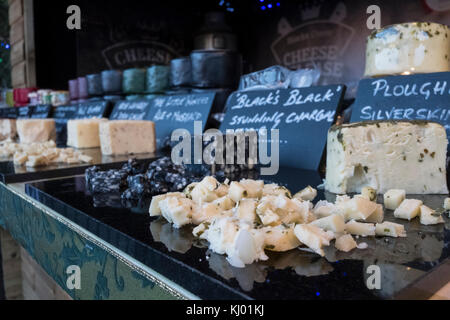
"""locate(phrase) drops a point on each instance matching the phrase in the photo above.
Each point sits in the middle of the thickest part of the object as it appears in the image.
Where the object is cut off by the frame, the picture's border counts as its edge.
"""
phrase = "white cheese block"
(120, 137)
(429, 216)
(345, 243)
(447, 204)
(36, 130)
(417, 47)
(408, 155)
(393, 198)
(307, 194)
(408, 209)
(360, 229)
(390, 229)
(84, 133)
(7, 129)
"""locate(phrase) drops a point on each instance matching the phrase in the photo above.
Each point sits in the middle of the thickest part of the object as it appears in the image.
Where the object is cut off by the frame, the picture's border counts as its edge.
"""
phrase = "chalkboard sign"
(412, 97)
(97, 109)
(302, 116)
(23, 112)
(8, 113)
(130, 110)
(41, 111)
(179, 112)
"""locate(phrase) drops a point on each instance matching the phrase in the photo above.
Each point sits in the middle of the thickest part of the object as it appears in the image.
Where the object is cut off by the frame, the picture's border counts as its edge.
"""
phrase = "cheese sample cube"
(279, 238)
(84, 133)
(429, 217)
(416, 47)
(390, 229)
(360, 229)
(7, 129)
(447, 204)
(377, 216)
(358, 208)
(408, 209)
(393, 198)
(36, 130)
(369, 193)
(313, 237)
(307, 194)
(345, 243)
(334, 222)
(119, 137)
(383, 155)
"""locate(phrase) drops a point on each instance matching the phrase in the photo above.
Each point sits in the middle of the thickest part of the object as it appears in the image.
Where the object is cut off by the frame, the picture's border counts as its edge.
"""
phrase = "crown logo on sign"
(310, 12)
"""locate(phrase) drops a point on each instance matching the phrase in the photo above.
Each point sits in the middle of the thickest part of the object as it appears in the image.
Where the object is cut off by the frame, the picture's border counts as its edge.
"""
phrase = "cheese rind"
(384, 154)
(120, 137)
(8, 129)
(36, 130)
(417, 47)
(83, 133)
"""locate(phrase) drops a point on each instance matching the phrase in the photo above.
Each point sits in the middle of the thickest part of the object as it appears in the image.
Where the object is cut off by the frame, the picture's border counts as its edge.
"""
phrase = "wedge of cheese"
(84, 133)
(36, 130)
(383, 155)
(120, 137)
(7, 129)
(417, 47)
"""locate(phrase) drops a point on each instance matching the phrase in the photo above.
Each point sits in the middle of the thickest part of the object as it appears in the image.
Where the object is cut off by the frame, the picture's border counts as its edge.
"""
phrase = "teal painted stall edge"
(55, 246)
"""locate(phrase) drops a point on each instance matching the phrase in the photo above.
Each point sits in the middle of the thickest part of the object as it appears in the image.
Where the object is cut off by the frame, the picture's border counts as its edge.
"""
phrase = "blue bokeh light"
(263, 7)
(269, 6)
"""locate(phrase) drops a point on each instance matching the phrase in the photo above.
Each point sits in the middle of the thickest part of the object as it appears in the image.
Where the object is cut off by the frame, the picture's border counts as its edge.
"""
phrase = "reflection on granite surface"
(291, 275)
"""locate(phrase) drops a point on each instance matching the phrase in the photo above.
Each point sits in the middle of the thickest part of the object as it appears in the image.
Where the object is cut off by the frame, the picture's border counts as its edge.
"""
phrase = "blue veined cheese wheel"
(82, 88)
(157, 79)
(216, 68)
(112, 81)
(94, 82)
(134, 81)
(181, 72)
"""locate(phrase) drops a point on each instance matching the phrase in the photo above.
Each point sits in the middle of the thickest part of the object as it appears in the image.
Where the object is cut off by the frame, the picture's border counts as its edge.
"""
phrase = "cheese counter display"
(417, 47)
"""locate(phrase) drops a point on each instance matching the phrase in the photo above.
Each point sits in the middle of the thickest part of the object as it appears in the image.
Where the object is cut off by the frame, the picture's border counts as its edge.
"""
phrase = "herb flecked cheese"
(407, 155)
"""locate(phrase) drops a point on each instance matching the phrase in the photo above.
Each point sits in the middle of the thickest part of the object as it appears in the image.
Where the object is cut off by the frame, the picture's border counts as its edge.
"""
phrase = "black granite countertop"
(296, 274)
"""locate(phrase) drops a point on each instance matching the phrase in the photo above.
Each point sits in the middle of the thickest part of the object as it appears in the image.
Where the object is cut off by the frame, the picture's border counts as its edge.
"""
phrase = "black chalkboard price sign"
(302, 116)
(61, 115)
(412, 97)
(179, 112)
(97, 109)
(40, 111)
(8, 113)
(23, 112)
(130, 110)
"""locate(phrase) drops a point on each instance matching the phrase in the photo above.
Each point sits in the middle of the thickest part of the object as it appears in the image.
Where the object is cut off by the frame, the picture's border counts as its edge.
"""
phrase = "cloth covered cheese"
(36, 130)
(407, 155)
(120, 137)
(417, 47)
(7, 129)
(83, 133)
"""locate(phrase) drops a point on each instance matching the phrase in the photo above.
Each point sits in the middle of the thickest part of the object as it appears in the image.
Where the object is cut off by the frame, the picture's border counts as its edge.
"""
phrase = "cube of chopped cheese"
(246, 210)
(377, 216)
(237, 191)
(334, 222)
(358, 208)
(360, 229)
(280, 238)
(204, 212)
(313, 237)
(273, 189)
(205, 191)
(154, 204)
(447, 204)
(84, 133)
(384, 154)
(429, 216)
(390, 229)
(393, 198)
(307, 194)
(369, 193)
(224, 203)
(36, 161)
(254, 188)
(120, 137)
(7, 129)
(84, 158)
(408, 209)
(345, 243)
(20, 158)
(36, 130)
(177, 210)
